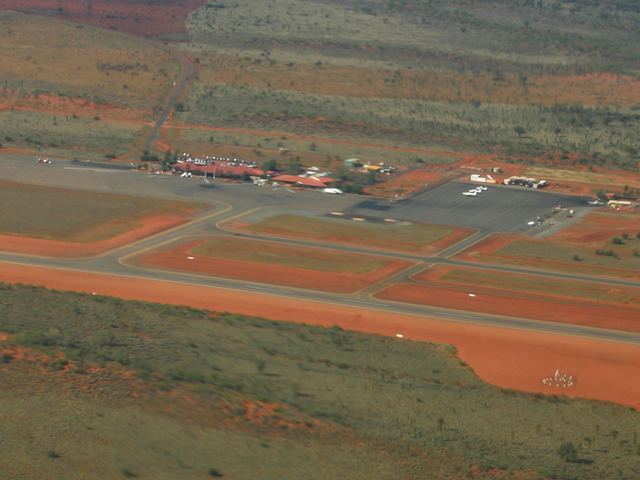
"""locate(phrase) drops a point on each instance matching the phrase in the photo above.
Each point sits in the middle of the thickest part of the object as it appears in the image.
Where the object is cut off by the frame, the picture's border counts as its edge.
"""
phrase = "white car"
(334, 191)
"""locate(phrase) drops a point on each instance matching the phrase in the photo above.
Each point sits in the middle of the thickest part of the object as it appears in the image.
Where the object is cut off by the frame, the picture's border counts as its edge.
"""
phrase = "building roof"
(224, 170)
(315, 182)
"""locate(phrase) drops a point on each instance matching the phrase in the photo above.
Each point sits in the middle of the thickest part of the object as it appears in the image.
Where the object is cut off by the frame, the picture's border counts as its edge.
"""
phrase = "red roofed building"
(222, 170)
(312, 182)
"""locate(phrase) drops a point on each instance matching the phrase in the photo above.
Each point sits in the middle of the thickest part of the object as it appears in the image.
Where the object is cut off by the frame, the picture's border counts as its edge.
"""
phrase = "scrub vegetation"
(170, 392)
(524, 79)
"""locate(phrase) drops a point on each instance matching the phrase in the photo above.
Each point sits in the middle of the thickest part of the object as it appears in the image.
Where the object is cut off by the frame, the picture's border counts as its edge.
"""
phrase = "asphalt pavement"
(229, 200)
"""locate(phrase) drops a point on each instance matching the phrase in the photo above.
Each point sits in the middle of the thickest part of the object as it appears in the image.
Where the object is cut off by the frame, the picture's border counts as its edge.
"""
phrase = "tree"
(602, 195)
(344, 173)
(568, 452)
(352, 188)
(148, 156)
(270, 165)
(170, 157)
(519, 130)
(295, 165)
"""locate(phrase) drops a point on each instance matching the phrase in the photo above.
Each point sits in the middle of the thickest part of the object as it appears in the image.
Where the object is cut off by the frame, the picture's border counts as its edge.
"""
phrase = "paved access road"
(232, 200)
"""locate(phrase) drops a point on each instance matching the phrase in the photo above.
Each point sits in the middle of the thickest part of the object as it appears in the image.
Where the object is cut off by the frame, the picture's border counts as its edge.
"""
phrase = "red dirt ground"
(504, 357)
(488, 246)
(54, 248)
(134, 17)
(411, 181)
(491, 301)
(612, 180)
(80, 107)
(435, 274)
(598, 228)
(176, 259)
(456, 236)
(592, 232)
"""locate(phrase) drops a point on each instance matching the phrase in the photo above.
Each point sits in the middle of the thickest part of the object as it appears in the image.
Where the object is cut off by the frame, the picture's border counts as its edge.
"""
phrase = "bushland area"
(76, 90)
(96, 386)
(533, 81)
(550, 82)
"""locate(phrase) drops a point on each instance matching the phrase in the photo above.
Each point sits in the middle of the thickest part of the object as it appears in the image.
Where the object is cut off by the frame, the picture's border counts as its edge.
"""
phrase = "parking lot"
(496, 209)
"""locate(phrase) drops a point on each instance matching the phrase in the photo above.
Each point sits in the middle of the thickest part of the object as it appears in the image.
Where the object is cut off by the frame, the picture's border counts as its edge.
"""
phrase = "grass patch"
(288, 256)
(520, 283)
(563, 257)
(324, 151)
(405, 236)
(73, 215)
(66, 135)
(582, 177)
(549, 35)
(100, 65)
(403, 403)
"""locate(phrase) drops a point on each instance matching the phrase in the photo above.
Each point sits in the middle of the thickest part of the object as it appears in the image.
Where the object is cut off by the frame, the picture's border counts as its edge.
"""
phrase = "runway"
(233, 200)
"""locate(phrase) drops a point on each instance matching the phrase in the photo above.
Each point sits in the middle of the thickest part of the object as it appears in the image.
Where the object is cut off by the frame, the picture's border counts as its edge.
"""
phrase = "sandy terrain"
(598, 228)
(528, 286)
(56, 105)
(486, 251)
(508, 358)
(502, 303)
(343, 282)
